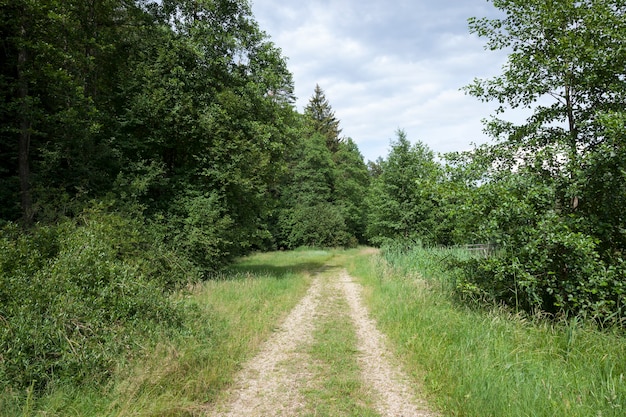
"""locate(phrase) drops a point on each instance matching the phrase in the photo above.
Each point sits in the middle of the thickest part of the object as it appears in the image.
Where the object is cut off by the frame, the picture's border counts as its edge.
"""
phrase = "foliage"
(75, 296)
(190, 93)
(351, 184)
(549, 192)
(322, 118)
(321, 197)
(402, 203)
(321, 225)
(308, 216)
(571, 54)
(202, 231)
(554, 270)
(602, 186)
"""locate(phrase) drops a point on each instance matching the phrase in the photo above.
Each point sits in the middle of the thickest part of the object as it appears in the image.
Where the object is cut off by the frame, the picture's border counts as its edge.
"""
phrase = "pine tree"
(323, 120)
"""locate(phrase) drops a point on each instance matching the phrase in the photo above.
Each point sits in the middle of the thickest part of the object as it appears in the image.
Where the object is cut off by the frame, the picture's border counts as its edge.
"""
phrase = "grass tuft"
(339, 390)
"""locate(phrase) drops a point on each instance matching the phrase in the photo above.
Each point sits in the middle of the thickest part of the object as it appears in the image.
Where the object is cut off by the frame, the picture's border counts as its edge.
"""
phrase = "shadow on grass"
(263, 270)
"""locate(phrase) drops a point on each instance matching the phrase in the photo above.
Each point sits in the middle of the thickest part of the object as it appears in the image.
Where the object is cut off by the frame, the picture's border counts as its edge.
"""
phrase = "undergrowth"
(479, 361)
(159, 353)
(75, 297)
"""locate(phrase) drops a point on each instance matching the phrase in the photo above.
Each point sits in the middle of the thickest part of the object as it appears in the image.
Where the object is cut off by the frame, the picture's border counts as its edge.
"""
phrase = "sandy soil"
(271, 383)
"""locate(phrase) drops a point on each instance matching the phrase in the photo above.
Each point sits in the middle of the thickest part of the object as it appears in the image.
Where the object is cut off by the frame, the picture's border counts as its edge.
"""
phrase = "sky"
(386, 65)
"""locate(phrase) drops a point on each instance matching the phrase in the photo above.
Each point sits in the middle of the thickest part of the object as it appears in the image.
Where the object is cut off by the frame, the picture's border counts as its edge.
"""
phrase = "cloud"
(387, 65)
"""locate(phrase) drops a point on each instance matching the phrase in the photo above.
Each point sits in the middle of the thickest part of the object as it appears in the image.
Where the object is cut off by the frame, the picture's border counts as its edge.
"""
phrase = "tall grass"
(227, 319)
(490, 362)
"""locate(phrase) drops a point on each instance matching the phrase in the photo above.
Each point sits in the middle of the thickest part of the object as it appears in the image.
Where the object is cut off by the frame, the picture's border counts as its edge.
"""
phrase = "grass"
(229, 317)
(339, 391)
(470, 362)
(490, 362)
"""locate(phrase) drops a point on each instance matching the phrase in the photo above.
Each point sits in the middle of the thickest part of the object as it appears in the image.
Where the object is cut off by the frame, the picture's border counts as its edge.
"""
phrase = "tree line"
(548, 193)
(146, 144)
(182, 111)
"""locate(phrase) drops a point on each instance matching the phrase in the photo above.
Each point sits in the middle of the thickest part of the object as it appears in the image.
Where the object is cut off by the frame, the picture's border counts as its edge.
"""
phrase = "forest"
(145, 145)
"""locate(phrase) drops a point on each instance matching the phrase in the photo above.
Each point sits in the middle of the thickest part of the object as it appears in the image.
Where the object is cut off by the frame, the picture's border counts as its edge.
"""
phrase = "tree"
(568, 54)
(322, 118)
(34, 68)
(351, 184)
(309, 215)
(558, 178)
(58, 79)
(402, 203)
(211, 102)
(172, 108)
(321, 197)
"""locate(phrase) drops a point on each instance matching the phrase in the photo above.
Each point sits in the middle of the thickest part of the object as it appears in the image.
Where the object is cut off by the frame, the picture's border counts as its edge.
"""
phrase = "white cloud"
(387, 65)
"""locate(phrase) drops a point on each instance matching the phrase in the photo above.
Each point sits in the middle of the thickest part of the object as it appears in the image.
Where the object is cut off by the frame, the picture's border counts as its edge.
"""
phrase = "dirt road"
(280, 379)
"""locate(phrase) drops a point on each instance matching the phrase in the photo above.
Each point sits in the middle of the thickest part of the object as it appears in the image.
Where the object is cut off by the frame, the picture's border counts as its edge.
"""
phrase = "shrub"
(201, 231)
(73, 297)
(555, 270)
(319, 225)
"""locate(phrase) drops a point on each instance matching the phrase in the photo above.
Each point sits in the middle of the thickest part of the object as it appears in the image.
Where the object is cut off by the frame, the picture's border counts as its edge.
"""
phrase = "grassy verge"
(490, 363)
(228, 319)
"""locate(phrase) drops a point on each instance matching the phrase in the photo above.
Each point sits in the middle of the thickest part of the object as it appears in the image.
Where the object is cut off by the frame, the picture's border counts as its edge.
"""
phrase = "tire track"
(391, 386)
(272, 382)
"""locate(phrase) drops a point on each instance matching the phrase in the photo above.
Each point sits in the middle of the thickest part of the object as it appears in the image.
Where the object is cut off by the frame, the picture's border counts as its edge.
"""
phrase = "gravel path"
(393, 391)
(272, 382)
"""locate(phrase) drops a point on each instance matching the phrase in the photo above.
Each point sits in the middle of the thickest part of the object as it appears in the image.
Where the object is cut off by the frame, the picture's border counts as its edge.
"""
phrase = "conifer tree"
(322, 118)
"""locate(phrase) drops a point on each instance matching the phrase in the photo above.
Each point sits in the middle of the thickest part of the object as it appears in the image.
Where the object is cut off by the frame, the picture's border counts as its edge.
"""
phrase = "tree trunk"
(573, 129)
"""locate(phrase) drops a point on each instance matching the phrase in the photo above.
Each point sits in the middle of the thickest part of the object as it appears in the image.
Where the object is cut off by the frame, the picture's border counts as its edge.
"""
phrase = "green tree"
(49, 76)
(322, 118)
(309, 216)
(351, 185)
(167, 104)
(569, 55)
(558, 177)
(402, 203)
(211, 102)
(321, 197)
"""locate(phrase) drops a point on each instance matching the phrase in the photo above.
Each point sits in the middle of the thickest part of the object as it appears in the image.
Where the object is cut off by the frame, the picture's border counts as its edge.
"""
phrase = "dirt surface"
(272, 383)
(393, 390)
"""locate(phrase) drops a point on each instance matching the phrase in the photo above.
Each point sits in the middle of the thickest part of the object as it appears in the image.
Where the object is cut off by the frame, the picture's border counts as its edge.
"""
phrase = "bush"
(320, 225)
(554, 270)
(202, 231)
(73, 297)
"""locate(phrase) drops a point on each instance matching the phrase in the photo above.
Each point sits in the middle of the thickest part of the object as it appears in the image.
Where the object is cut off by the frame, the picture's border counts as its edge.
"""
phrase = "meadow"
(490, 361)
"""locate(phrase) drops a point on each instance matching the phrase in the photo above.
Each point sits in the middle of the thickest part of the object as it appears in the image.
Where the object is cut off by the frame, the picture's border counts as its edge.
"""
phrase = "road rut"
(272, 383)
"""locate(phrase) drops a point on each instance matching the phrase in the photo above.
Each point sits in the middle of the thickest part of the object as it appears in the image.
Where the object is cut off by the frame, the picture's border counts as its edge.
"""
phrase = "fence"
(484, 249)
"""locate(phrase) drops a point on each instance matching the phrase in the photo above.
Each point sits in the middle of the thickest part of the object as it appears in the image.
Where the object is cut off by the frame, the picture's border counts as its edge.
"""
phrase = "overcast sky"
(388, 64)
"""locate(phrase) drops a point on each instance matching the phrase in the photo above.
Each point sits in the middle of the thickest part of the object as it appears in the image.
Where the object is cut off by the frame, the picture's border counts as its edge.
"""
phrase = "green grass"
(340, 391)
(470, 362)
(229, 318)
(490, 363)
